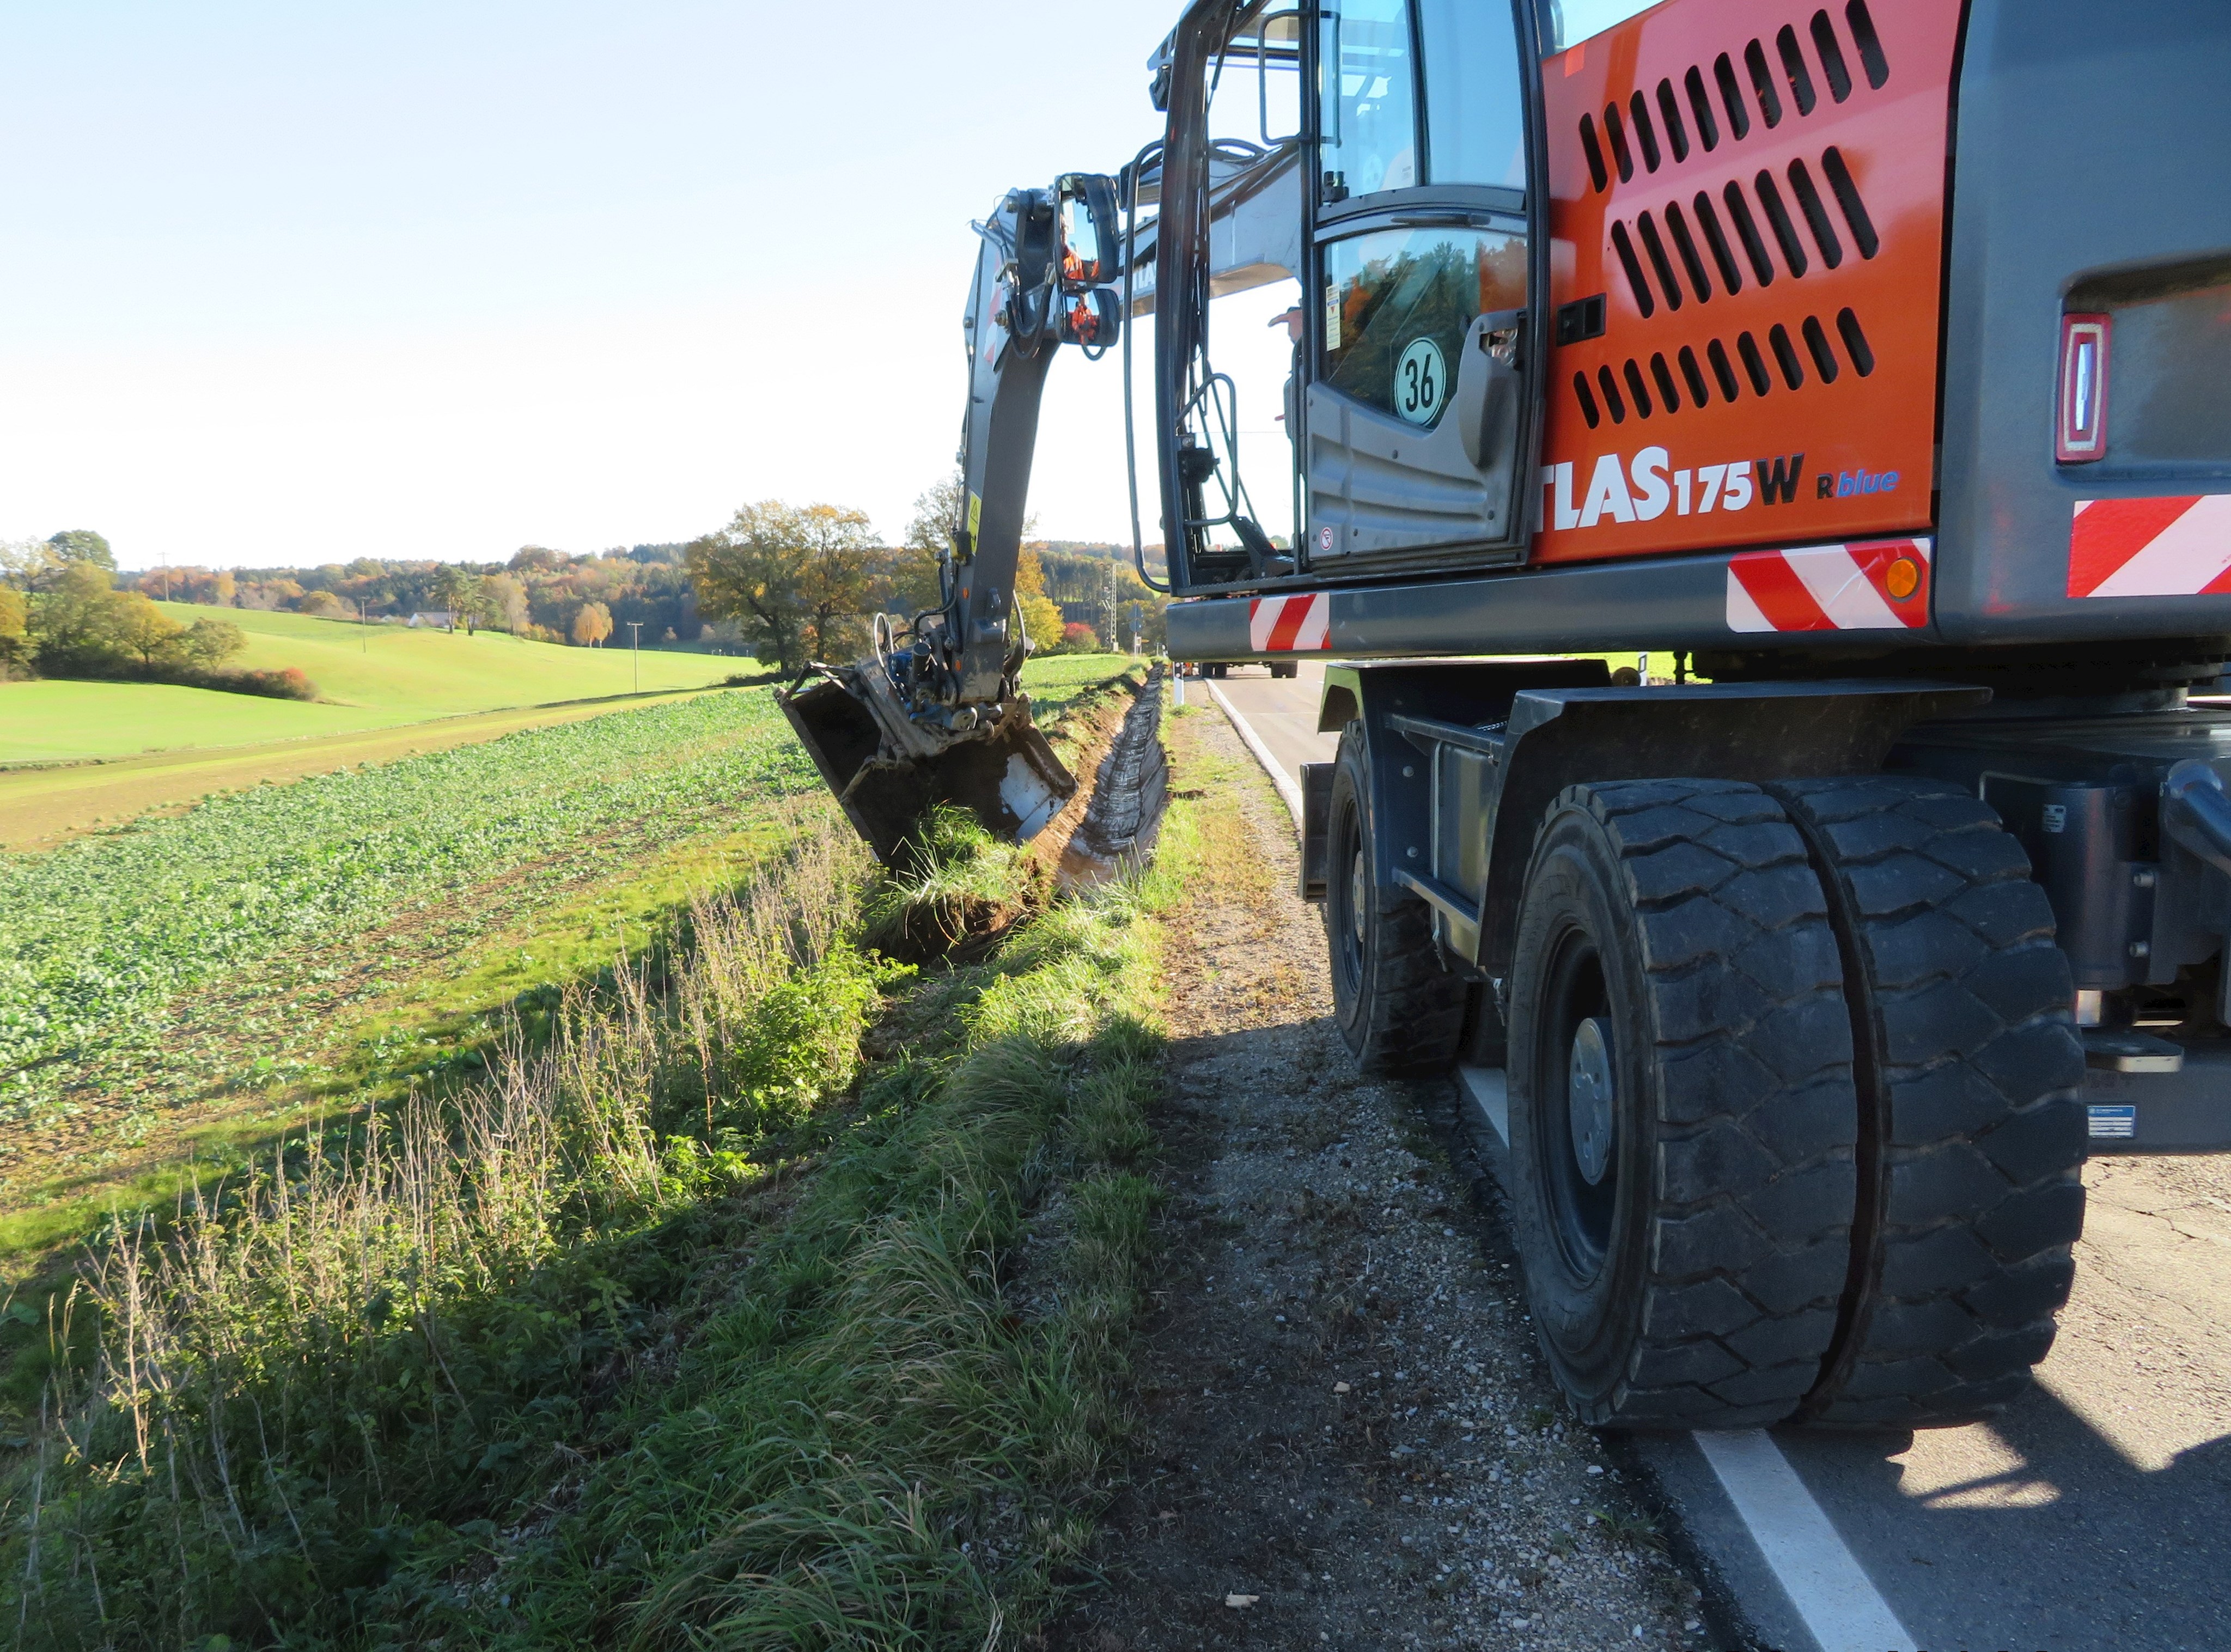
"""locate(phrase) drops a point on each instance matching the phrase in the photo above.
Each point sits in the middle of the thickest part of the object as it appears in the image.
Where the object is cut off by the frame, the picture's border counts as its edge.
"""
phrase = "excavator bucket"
(887, 772)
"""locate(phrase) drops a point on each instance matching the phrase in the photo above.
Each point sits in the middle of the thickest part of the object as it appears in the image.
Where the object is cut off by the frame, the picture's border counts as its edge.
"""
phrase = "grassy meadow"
(614, 1248)
(371, 677)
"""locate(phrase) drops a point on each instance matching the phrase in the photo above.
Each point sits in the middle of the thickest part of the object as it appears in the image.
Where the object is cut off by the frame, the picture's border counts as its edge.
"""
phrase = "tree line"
(61, 615)
(802, 581)
(789, 583)
(539, 594)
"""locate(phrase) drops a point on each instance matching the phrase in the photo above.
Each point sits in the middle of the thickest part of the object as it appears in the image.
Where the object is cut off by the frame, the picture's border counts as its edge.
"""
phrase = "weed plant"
(677, 1330)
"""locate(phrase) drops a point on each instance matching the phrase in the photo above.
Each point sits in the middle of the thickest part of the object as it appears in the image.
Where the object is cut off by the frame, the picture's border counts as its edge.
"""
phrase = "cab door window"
(1368, 99)
(1398, 304)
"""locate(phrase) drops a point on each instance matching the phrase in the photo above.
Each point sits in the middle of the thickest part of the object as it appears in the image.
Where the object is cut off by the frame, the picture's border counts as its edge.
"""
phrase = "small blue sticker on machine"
(2114, 1123)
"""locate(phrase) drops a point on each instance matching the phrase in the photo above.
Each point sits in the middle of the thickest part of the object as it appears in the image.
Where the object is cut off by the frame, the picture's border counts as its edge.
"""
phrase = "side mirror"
(1489, 384)
(1093, 318)
(1092, 244)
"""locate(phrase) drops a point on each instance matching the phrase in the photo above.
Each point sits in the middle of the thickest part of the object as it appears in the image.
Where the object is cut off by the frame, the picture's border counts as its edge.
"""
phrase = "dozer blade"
(887, 772)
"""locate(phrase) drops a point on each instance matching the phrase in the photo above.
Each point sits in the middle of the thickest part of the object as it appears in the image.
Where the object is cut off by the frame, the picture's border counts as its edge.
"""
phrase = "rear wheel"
(1400, 1010)
(1285, 668)
(1682, 1114)
(1971, 1121)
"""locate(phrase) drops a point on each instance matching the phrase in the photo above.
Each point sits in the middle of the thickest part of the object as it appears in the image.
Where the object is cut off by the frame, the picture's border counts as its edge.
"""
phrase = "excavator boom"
(934, 715)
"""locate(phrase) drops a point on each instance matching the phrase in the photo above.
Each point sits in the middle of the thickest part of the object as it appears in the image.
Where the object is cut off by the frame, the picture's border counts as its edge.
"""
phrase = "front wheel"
(1400, 1010)
(1682, 1108)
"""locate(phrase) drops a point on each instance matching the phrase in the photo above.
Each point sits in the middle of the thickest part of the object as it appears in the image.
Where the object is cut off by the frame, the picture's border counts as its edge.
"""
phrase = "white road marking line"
(1288, 793)
(1823, 1579)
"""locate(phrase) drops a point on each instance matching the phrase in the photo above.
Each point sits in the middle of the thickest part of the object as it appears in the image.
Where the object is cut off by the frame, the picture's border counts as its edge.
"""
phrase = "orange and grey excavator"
(1869, 361)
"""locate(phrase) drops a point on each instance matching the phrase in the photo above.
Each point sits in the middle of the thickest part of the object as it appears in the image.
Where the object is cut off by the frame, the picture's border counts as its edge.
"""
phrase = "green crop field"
(380, 1150)
(171, 985)
(371, 677)
(225, 956)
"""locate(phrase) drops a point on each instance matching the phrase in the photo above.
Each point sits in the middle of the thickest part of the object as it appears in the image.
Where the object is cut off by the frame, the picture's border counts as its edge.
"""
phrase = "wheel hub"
(1588, 1097)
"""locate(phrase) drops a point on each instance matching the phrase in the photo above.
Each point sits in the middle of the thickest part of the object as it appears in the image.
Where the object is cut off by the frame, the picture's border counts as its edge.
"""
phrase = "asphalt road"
(2094, 1516)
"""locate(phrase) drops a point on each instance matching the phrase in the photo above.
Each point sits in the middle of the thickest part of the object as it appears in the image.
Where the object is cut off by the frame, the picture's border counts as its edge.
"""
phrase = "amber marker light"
(1902, 578)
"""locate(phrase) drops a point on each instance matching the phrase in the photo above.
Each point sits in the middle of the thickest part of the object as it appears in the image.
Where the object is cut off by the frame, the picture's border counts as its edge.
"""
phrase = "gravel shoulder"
(1348, 1438)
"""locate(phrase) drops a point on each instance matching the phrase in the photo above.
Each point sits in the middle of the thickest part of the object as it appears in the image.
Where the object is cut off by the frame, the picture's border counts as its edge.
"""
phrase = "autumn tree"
(592, 625)
(324, 604)
(797, 580)
(83, 545)
(210, 643)
(29, 565)
(507, 601)
(139, 625)
(76, 621)
(908, 581)
(15, 616)
(1041, 614)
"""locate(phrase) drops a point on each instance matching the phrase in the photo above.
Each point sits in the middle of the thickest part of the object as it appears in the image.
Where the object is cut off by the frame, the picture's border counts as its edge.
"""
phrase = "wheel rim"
(1350, 951)
(1588, 1099)
(1577, 1080)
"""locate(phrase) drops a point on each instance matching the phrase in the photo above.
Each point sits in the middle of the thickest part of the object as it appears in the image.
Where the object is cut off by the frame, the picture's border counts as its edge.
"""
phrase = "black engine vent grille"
(1783, 361)
(1785, 72)
(1655, 268)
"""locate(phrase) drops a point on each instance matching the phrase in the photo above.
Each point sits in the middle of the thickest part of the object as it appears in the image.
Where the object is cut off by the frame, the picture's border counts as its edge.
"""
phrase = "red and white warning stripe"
(2150, 548)
(1287, 624)
(1878, 584)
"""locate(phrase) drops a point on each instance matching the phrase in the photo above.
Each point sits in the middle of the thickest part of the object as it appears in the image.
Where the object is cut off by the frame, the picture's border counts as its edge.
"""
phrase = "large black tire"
(1972, 1118)
(1285, 668)
(1400, 1008)
(1687, 1245)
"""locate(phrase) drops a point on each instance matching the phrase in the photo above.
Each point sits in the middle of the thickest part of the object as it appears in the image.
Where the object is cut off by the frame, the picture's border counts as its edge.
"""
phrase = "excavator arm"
(936, 713)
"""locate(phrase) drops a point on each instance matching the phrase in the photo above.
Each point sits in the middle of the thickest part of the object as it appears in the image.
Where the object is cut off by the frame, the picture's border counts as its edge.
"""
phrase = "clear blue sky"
(295, 283)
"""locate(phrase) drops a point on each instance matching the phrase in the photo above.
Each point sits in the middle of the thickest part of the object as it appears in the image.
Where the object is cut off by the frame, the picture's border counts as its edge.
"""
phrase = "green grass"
(376, 676)
(176, 990)
(1055, 680)
(671, 1333)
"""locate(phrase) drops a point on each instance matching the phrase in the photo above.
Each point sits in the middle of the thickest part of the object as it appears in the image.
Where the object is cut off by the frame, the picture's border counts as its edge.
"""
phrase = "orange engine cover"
(1747, 223)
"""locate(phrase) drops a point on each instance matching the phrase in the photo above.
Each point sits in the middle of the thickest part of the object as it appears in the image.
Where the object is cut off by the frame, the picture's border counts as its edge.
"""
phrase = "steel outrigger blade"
(888, 771)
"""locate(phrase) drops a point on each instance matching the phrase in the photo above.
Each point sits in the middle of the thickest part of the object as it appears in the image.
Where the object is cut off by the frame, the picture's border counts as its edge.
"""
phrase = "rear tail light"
(2080, 425)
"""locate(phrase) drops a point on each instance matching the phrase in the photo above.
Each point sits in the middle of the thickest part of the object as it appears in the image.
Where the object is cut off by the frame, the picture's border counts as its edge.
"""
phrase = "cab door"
(1418, 407)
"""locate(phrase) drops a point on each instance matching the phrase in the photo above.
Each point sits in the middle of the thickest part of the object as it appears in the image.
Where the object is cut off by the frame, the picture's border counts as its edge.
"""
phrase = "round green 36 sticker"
(1420, 381)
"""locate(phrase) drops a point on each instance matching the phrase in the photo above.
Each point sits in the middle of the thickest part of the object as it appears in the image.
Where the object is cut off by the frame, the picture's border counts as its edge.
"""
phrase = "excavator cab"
(1399, 204)
(1393, 182)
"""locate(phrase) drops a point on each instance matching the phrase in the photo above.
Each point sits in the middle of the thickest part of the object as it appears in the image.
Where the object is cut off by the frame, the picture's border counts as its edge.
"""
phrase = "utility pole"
(363, 627)
(635, 646)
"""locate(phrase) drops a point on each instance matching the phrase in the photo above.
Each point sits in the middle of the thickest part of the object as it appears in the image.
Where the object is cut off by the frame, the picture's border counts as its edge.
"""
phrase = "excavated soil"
(1348, 1437)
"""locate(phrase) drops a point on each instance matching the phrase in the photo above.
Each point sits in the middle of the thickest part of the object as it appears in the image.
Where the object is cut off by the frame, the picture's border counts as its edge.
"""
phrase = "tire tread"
(1753, 1182)
(1982, 1140)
